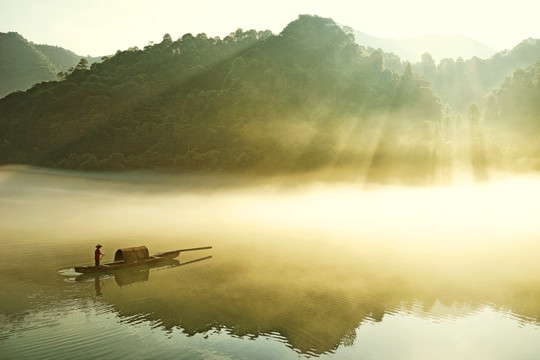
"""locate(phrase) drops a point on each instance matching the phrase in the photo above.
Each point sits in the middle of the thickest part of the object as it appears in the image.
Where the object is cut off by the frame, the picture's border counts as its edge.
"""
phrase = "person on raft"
(98, 255)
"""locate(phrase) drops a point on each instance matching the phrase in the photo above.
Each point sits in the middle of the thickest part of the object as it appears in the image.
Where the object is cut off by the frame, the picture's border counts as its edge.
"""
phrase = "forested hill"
(517, 103)
(252, 100)
(460, 82)
(23, 64)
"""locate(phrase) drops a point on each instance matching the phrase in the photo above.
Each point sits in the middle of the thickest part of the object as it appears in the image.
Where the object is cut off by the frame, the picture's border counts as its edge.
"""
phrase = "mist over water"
(327, 269)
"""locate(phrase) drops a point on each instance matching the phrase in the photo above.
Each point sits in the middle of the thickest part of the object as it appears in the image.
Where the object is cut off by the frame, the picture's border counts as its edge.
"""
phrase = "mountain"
(63, 59)
(305, 99)
(512, 114)
(439, 46)
(517, 101)
(23, 63)
(460, 82)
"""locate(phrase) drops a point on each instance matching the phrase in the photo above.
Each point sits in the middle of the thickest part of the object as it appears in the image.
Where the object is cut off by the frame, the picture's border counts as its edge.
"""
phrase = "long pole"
(199, 248)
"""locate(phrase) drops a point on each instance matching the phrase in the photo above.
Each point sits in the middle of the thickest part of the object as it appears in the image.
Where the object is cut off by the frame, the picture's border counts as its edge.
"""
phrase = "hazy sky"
(100, 27)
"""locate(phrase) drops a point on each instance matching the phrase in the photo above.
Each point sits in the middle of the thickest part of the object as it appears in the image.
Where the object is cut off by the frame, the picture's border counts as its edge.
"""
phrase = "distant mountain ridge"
(460, 82)
(23, 63)
(439, 46)
(457, 80)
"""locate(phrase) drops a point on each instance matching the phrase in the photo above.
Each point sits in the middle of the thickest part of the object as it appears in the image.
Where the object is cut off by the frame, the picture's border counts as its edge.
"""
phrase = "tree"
(82, 65)
(428, 67)
(473, 114)
(167, 40)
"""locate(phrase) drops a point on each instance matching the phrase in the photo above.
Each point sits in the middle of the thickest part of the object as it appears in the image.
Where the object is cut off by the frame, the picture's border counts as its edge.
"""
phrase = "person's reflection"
(98, 285)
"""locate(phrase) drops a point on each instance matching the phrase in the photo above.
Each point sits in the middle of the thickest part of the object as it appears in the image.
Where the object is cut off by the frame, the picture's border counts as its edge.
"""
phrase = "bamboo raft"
(132, 257)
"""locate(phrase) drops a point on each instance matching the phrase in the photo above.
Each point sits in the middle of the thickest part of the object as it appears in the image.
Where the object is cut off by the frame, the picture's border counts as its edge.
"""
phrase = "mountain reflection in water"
(320, 268)
(318, 306)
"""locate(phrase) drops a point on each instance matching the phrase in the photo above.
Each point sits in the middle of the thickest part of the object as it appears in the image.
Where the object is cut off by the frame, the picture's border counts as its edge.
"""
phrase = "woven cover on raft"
(134, 254)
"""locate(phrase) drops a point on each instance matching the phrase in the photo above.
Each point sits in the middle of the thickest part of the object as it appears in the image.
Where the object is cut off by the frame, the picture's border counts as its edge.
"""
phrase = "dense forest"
(309, 98)
(253, 100)
(512, 120)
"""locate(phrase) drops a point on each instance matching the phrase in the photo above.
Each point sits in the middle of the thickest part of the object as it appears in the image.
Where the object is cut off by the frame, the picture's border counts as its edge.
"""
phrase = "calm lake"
(298, 269)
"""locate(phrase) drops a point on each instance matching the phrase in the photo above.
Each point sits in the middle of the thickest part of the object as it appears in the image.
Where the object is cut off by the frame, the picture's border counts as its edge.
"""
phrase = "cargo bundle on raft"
(134, 256)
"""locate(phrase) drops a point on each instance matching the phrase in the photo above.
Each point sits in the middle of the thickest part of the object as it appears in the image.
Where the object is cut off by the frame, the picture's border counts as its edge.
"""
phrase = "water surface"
(297, 269)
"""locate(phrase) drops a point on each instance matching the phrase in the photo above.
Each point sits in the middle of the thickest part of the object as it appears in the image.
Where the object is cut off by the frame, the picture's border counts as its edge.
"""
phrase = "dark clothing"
(97, 262)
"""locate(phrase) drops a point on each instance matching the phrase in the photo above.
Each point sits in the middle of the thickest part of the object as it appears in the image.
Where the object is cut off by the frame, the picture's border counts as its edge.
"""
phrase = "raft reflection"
(135, 275)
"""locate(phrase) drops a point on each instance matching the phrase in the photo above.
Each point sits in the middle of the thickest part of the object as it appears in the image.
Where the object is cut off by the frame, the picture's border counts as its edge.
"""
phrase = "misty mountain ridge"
(461, 82)
(439, 46)
(306, 99)
(23, 63)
